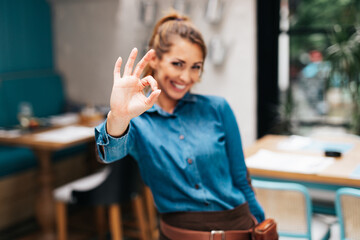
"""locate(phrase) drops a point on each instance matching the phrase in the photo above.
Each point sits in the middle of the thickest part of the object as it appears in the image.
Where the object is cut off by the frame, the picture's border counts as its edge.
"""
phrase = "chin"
(178, 96)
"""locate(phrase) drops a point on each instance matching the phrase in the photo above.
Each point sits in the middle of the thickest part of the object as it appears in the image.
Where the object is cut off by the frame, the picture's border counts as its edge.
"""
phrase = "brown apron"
(239, 218)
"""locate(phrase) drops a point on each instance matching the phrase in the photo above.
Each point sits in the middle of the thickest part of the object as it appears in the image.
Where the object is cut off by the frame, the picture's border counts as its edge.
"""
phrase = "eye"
(177, 64)
(196, 67)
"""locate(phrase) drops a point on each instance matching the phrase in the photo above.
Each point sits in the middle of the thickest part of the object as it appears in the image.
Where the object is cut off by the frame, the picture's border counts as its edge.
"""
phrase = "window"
(311, 93)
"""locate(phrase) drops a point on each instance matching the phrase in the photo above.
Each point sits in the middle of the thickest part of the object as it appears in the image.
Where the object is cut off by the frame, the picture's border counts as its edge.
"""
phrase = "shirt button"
(189, 160)
(197, 186)
(181, 137)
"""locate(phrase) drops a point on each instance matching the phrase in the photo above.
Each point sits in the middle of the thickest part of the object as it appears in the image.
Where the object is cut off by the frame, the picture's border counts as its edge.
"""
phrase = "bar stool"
(117, 183)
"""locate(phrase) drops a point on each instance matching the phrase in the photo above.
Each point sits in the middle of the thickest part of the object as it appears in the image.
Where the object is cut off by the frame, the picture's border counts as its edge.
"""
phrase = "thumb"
(150, 101)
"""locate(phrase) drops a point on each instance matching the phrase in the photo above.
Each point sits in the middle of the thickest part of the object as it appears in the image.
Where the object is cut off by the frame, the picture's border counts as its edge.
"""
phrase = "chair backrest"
(289, 204)
(123, 183)
(348, 212)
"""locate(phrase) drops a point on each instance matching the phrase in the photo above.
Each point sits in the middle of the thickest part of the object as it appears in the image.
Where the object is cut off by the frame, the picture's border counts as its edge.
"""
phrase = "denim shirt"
(192, 159)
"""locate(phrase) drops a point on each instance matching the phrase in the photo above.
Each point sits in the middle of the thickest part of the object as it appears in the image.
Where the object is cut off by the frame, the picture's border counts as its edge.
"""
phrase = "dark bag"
(265, 230)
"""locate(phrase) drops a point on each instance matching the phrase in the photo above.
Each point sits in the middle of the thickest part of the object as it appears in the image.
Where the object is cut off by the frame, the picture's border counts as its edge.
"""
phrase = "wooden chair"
(152, 214)
(347, 204)
(290, 205)
(117, 183)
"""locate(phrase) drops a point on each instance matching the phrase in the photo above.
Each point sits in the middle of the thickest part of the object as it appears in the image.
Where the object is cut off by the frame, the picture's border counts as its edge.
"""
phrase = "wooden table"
(337, 173)
(43, 151)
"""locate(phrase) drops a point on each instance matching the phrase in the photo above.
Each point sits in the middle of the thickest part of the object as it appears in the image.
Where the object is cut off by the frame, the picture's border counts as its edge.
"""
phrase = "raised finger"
(152, 98)
(149, 80)
(142, 63)
(130, 62)
(117, 67)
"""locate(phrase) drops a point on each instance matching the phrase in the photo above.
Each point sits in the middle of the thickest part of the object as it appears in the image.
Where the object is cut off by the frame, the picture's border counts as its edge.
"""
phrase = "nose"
(186, 76)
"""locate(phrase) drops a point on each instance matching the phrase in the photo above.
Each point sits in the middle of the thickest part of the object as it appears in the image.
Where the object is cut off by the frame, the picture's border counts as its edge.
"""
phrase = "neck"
(168, 105)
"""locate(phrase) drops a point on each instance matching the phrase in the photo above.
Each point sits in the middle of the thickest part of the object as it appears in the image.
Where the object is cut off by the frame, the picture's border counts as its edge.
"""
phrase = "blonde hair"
(169, 26)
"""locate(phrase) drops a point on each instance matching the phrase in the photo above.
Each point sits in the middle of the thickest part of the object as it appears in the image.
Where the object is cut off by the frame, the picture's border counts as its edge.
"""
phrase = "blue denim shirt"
(192, 159)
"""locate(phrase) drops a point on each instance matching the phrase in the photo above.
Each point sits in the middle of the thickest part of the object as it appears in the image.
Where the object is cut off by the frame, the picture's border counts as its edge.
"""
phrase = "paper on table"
(65, 134)
(295, 142)
(288, 162)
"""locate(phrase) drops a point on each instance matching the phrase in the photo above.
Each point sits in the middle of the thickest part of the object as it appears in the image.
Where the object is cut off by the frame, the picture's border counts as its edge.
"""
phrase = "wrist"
(115, 125)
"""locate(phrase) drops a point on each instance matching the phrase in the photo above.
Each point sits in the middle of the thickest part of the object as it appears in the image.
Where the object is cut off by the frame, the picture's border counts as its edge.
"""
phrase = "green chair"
(290, 205)
(347, 204)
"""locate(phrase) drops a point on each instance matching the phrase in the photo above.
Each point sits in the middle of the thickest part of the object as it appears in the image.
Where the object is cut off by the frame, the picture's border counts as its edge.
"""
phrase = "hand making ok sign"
(127, 97)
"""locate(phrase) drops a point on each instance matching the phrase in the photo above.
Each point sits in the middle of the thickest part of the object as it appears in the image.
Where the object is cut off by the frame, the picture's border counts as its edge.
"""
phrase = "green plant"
(344, 57)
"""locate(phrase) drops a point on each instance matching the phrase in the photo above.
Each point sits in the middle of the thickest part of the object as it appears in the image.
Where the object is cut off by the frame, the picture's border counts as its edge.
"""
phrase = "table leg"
(45, 203)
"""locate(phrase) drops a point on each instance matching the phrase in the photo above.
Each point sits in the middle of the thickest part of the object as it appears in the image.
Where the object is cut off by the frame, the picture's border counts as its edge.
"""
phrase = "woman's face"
(177, 70)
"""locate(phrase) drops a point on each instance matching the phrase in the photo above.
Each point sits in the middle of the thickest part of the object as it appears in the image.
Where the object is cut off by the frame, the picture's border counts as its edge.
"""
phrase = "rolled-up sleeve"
(110, 148)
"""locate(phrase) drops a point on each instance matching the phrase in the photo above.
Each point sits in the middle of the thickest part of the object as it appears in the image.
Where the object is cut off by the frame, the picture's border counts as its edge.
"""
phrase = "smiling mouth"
(178, 86)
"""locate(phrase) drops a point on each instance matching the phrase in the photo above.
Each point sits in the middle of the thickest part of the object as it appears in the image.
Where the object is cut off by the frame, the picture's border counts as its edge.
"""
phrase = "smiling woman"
(187, 146)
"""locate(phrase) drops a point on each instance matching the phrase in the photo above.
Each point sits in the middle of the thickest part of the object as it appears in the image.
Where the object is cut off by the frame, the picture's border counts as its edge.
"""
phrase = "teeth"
(179, 86)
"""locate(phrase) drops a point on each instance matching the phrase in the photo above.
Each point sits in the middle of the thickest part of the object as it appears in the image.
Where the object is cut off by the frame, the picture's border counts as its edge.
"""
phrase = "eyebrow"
(177, 59)
(182, 61)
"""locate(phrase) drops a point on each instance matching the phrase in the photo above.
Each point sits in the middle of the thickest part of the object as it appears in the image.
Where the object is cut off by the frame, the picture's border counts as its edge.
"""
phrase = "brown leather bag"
(265, 230)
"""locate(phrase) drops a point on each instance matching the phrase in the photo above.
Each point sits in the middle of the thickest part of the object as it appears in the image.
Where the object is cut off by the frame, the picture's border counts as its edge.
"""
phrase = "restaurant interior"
(288, 68)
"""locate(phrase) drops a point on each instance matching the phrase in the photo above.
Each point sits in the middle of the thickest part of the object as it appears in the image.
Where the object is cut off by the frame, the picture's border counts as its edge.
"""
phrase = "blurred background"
(285, 66)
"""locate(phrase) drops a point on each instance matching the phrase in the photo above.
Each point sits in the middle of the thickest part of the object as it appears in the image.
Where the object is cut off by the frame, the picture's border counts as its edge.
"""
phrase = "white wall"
(89, 35)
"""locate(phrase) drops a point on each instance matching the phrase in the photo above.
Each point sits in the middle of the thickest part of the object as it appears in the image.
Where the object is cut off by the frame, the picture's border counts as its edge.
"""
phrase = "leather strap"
(175, 233)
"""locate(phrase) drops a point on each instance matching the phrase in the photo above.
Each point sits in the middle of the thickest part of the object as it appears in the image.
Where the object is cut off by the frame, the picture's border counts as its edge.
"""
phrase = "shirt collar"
(188, 97)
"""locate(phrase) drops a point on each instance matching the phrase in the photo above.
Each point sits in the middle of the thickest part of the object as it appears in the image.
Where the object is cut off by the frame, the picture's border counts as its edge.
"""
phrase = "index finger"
(130, 62)
(117, 67)
(143, 62)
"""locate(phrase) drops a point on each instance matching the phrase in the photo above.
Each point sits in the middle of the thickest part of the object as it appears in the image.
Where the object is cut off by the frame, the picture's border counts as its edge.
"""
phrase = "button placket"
(192, 170)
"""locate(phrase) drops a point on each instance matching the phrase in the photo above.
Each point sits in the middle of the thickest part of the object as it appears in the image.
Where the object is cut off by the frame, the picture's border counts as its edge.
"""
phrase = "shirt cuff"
(110, 148)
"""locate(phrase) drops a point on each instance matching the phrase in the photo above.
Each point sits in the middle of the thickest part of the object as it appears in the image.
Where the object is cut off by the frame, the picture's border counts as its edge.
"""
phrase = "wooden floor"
(81, 227)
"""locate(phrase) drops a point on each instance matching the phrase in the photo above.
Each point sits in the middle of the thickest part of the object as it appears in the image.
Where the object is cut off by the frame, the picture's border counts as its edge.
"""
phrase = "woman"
(188, 146)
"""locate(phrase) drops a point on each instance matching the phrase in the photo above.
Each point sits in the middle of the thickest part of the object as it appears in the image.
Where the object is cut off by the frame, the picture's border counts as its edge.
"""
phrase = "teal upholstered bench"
(44, 91)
